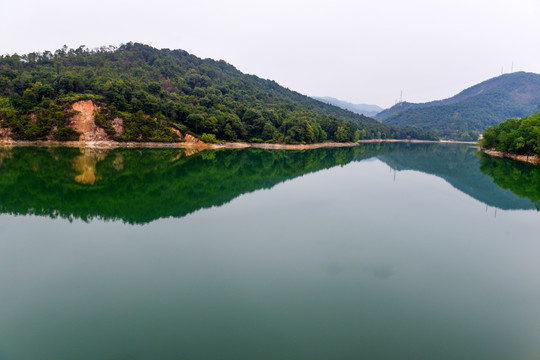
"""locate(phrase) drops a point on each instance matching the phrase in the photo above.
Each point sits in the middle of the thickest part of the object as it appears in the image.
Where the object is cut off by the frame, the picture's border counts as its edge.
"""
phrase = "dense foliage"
(154, 90)
(466, 115)
(516, 136)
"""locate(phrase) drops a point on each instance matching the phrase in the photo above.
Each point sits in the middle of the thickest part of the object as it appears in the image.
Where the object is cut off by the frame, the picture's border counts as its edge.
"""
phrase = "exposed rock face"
(177, 132)
(51, 135)
(118, 125)
(84, 122)
(5, 133)
(190, 139)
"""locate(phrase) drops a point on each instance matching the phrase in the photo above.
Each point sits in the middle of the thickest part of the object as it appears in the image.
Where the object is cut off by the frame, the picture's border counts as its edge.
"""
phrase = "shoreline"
(199, 145)
(531, 159)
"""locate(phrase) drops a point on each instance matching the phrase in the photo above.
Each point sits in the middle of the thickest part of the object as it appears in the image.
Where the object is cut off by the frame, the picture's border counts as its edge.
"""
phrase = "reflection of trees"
(458, 165)
(141, 185)
(521, 178)
(5, 153)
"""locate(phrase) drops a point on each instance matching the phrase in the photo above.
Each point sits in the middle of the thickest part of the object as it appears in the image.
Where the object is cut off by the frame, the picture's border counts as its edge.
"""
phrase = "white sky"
(358, 51)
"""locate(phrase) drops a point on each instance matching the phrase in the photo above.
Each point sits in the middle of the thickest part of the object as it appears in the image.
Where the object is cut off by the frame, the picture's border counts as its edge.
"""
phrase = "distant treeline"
(515, 136)
(153, 90)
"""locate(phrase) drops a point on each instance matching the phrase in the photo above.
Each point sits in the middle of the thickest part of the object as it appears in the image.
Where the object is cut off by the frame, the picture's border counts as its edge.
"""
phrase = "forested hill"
(139, 93)
(466, 115)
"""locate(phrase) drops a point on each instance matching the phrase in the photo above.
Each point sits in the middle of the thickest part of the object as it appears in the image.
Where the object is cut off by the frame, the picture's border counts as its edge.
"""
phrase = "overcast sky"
(358, 51)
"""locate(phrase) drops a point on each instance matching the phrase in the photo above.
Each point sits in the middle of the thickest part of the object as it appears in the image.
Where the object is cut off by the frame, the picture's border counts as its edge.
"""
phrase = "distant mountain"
(466, 115)
(363, 109)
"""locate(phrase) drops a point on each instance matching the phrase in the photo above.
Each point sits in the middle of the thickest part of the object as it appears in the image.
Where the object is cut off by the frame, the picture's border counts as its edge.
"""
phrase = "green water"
(383, 251)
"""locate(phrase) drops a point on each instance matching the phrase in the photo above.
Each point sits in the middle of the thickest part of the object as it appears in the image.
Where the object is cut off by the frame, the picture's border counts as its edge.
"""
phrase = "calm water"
(382, 251)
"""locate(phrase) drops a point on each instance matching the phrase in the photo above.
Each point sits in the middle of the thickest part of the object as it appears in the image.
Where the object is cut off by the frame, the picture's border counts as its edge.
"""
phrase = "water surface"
(384, 251)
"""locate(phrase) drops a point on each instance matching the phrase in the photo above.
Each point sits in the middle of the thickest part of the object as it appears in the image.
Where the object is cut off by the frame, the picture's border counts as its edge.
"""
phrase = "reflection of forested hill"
(460, 166)
(519, 177)
(142, 185)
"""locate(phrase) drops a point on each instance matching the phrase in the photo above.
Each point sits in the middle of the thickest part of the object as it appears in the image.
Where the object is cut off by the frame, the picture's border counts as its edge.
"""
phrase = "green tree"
(310, 134)
(341, 134)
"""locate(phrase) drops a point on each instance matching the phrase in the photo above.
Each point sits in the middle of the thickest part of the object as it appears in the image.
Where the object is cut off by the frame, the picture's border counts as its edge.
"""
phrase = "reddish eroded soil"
(5, 133)
(84, 122)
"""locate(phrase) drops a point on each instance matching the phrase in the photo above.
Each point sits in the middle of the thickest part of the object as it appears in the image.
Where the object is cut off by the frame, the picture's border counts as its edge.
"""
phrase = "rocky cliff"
(81, 117)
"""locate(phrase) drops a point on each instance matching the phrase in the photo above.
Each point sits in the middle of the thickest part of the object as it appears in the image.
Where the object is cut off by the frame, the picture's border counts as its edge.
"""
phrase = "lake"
(381, 251)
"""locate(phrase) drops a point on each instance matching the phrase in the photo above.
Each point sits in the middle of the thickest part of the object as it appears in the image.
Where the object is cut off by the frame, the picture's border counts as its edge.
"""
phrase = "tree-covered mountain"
(155, 95)
(363, 109)
(466, 115)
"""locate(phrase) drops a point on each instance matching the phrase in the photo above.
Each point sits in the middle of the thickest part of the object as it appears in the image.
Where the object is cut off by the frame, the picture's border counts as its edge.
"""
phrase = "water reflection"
(521, 178)
(340, 264)
(142, 185)
(460, 166)
(85, 165)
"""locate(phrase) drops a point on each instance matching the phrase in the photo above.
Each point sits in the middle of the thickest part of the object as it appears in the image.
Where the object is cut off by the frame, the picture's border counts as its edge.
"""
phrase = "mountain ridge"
(465, 115)
(363, 109)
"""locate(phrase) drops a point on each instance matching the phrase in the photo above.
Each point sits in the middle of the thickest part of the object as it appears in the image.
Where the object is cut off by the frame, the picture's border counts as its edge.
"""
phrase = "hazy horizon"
(359, 52)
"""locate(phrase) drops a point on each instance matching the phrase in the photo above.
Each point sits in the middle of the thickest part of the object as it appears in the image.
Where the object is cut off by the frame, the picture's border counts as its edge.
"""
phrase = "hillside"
(363, 109)
(138, 93)
(466, 115)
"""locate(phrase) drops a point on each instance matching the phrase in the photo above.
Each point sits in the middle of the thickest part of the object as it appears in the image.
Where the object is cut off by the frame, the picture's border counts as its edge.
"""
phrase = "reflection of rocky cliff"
(459, 165)
(141, 185)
